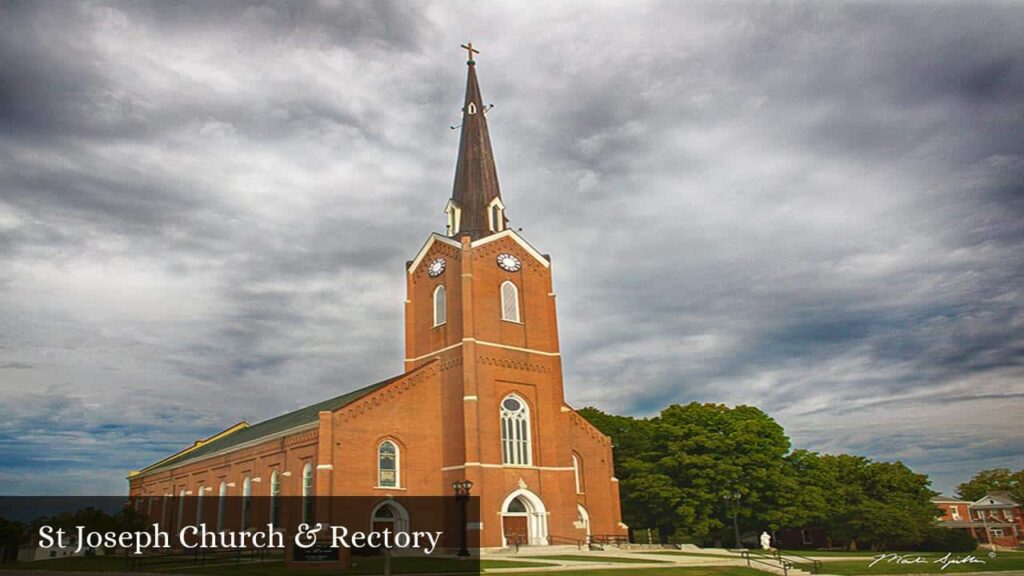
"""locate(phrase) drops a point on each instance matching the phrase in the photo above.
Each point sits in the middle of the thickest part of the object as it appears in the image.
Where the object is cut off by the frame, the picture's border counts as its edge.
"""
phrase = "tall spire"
(472, 210)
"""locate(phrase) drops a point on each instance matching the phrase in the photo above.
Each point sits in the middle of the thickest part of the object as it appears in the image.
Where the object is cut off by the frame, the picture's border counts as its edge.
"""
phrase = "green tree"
(803, 496)
(995, 480)
(877, 504)
(677, 468)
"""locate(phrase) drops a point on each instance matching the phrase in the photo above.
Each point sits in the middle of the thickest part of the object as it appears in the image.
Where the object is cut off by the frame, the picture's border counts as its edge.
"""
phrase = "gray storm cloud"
(205, 209)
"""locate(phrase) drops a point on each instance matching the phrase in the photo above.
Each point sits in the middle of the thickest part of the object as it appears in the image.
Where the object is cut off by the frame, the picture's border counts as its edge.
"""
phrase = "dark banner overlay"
(153, 533)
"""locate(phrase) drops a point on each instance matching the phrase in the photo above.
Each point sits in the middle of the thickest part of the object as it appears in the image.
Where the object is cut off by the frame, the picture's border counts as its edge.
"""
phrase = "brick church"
(481, 398)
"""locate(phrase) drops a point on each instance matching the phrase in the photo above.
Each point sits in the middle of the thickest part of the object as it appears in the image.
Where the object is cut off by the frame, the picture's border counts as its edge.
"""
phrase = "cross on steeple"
(470, 50)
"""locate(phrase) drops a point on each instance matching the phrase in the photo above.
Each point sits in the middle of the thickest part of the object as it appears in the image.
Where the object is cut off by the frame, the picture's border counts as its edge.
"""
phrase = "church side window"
(387, 465)
(440, 305)
(246, 502)
(181, 508)
(509, 302)
(577, 470)
(515, 431)
(199, 505)
(221, 502)
(275, 500)
(307, 493)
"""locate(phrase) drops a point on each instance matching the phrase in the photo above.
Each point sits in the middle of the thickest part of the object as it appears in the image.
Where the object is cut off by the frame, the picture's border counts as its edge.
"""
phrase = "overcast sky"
(814, 208)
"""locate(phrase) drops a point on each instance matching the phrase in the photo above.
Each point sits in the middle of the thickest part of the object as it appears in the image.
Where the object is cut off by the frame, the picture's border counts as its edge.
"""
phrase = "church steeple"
(475, 208)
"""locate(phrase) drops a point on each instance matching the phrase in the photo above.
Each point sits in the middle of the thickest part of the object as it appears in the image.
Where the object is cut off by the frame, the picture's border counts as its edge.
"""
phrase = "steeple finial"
(470, 50)
(475, 208)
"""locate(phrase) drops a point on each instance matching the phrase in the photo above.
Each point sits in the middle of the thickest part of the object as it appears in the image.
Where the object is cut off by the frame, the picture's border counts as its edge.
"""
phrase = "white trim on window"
(199, 505)
(181, 508)
(389, 477)
(307, 493)
(496, 215)
(454, 214)
(516, 444)
(275, 498)
(509, 301)
(246, 502)
(577, 471)
(440, 301)
(221, 498)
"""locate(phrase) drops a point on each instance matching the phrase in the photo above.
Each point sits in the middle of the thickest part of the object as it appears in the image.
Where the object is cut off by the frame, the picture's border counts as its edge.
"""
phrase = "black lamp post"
(734, 500)
(462, 489)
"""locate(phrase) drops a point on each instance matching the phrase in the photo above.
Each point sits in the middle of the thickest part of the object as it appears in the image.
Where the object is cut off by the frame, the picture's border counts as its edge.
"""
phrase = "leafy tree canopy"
(996, 480)
(678, 470)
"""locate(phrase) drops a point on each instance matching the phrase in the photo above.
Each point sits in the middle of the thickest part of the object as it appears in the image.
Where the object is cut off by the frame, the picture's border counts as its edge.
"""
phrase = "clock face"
(436, 267)
(509, 262)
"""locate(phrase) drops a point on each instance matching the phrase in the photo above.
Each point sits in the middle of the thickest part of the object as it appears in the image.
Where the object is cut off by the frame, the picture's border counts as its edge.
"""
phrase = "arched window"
(440, 305)
(509, 302)
(275, 492)
(307, 493)
(387, 465)
(454, 217)
(496, 215)
(246, 502)
(577, 470)
(222, 497)
(515, 431)
(199, 505)
(181, 508)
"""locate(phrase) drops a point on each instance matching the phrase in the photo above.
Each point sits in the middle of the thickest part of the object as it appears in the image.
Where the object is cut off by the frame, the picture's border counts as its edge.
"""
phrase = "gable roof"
(994, 500)
(241, 434)
(434, 237)
(947, 499)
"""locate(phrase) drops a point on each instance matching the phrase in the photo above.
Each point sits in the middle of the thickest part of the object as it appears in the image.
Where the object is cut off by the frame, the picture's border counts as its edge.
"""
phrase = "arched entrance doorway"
(389, 515)
(524, 519)
(583, 520)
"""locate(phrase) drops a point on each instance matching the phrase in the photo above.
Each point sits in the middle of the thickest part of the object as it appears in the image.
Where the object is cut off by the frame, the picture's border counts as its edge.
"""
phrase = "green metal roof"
(275, 425)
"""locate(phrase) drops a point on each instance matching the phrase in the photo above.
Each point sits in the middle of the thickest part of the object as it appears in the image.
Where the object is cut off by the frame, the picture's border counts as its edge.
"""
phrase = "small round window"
(511, 404)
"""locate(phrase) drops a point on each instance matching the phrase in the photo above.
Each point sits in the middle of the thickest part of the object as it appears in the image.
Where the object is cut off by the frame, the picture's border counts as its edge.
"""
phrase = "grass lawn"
(90, 564)
(928, 564)
(373, 566)
(681, 571)
(682, 553)
(361, 565)
(827, 553)
(596, 558)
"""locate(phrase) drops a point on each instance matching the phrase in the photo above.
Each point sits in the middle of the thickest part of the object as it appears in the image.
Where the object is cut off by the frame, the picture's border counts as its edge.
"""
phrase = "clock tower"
(480, 302)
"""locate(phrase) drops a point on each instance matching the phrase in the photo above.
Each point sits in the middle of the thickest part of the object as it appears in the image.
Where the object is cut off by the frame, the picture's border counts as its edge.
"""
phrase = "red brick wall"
(947, 511)
(288, 454)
